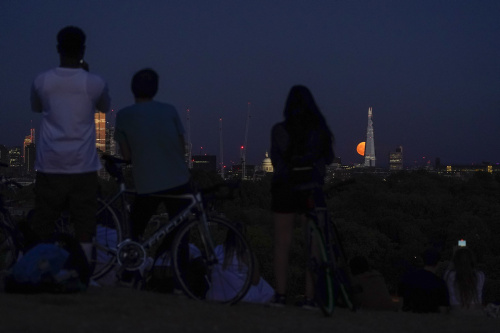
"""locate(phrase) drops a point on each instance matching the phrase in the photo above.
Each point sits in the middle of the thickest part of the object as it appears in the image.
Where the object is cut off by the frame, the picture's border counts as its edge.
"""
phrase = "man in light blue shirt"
(151, 136)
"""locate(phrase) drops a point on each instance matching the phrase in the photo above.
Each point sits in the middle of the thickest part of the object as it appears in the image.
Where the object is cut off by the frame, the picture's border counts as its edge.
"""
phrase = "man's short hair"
(71, 41)
(145, 83)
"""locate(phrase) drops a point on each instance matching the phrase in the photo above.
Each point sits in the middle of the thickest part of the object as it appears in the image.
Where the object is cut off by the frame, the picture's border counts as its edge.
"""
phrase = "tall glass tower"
(100, 131)
(370, 144)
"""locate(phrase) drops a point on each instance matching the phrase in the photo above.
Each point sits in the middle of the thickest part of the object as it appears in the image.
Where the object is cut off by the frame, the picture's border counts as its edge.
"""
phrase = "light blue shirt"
(153, 132)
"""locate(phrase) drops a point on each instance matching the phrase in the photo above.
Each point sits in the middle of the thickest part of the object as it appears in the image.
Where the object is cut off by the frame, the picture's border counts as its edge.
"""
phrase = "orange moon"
(361, 148)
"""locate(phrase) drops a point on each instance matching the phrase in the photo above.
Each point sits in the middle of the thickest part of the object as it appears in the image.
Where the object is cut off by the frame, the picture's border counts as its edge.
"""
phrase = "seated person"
(231, 273)
(369, 288)
(465, 283)
(422, 290)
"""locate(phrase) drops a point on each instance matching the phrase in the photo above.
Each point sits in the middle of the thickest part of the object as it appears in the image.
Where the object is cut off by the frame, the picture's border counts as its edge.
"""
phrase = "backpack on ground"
(59, 266)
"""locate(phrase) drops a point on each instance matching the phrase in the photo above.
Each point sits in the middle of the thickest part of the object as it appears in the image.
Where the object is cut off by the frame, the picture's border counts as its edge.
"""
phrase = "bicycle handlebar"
(225, 190)
(113, 166)
(114, 159)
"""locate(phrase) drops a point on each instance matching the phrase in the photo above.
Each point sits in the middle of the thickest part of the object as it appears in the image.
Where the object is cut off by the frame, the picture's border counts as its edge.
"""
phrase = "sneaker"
(278, 300)
(307, 304)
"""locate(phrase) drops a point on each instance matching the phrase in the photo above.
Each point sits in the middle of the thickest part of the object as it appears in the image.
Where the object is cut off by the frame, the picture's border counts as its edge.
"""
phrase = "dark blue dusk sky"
(429, 69)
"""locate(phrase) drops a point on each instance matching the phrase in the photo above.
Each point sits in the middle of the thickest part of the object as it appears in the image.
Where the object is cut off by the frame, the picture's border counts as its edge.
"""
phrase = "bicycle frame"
(194, 207)
(125, 211)
(334, 255)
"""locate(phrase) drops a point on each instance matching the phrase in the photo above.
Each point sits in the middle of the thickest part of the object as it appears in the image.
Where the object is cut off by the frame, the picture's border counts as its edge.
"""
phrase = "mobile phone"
(84, 65)
(462, 242)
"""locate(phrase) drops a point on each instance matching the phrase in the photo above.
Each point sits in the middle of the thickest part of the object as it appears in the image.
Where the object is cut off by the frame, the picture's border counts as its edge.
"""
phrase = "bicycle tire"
(9, 250)
(213, 281)
(161, 276)
(342, 286)
(109, 233)
(319, 265)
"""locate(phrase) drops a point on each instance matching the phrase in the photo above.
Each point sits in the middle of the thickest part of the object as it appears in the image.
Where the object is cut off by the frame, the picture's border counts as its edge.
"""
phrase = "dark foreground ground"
(125, 310)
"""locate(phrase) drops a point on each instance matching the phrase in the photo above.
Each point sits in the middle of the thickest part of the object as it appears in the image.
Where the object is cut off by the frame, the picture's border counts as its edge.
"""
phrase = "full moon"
(361, 148)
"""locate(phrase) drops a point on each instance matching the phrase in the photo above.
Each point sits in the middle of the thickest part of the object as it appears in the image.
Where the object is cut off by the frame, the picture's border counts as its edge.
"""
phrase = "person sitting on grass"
(422, 290)
(369, 288)
(465, 283)
(233, 272)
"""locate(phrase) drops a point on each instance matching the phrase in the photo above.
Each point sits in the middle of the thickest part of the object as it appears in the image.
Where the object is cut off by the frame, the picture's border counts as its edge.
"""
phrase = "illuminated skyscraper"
(16, 157)
(110, 141)
(28, 140)
(396, 159)
(29, 158)
(100, 131)
(370, 144)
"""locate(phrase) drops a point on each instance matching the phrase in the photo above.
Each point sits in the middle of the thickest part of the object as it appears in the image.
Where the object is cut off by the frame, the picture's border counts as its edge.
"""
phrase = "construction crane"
(221, 162)
(188, 141)
(244, 147)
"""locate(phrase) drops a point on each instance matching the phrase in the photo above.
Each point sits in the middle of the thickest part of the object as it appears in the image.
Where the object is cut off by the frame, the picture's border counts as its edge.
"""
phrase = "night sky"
(429, 69)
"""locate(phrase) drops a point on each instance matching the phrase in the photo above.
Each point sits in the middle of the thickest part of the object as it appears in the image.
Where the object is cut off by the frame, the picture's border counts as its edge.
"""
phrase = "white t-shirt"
(68, 99)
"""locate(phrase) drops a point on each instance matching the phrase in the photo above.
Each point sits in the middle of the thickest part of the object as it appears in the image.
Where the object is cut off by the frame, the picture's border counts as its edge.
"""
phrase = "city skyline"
(395, 156)
(429, 69)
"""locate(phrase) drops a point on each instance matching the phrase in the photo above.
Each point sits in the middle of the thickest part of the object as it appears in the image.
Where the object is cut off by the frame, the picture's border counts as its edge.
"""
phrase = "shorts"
(287, 200)
(75, 193)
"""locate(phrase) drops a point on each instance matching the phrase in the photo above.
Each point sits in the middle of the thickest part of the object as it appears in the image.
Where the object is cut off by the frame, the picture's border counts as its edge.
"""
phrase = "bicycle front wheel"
(340, 263)
(319, 265)
(109, 233)
(212, 262)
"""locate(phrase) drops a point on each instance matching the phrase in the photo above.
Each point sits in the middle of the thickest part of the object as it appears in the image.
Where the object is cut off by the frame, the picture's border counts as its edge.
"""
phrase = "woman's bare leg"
(283, 233)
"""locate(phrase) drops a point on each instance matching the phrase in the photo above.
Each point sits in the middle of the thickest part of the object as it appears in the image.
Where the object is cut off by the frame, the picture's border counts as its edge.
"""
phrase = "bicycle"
(9, 234)
(193, 259)
(326, 258)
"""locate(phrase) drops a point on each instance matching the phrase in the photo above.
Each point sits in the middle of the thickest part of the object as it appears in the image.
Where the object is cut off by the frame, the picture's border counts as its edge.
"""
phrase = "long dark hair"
(465, 276)
(302, 117)
(234, 247)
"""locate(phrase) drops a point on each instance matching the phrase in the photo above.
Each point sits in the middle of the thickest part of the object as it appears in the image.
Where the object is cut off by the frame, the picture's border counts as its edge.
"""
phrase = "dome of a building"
(267, 165)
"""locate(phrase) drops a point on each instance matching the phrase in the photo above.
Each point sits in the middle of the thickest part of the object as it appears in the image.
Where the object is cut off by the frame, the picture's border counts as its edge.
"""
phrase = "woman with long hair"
(465, 283)
(301, 147)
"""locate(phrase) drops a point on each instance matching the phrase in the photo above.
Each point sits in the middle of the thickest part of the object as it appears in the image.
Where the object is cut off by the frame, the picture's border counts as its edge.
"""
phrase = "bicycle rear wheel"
(109, 233)
(340, 264)
(319, 265)
(222, 273)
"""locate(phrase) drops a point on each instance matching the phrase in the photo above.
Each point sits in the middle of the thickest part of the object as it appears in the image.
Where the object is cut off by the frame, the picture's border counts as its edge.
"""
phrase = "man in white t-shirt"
(66, 156)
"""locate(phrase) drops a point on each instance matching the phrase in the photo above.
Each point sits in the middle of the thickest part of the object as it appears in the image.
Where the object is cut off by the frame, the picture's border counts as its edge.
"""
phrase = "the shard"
(370, 143)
